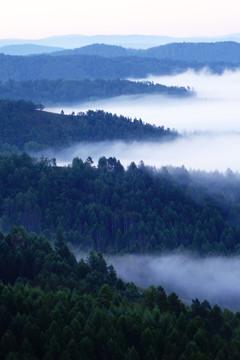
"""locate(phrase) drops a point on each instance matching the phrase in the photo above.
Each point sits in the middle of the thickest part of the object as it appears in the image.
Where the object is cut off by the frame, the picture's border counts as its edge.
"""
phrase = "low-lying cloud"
(216, 107)
(200, 152)
(214, 278)
(209, 124)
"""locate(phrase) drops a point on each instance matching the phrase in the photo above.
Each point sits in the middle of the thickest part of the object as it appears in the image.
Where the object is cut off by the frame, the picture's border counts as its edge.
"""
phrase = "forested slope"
(112, 210)
(70, 91)
(76, 67)
(53, 307)
(25, 127)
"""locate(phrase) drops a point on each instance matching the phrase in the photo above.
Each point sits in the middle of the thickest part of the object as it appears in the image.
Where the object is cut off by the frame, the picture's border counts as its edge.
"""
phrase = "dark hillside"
(53, 307)
(26, 127)
(76, 67)
(69, 91)
(225, 51)
(112, 210)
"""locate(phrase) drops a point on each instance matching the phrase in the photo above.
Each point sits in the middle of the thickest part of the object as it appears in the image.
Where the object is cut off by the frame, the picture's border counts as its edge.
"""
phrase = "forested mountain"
(226, 51)
(75, 67)
(25, 127)
(103, 50)
(53, 307)
(69, 91)
(112, 210)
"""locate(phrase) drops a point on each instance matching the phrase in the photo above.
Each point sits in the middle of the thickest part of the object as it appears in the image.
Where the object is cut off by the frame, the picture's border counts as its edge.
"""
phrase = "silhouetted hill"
(69, 91)
(227, 51)
(25, 127)
(100, 50)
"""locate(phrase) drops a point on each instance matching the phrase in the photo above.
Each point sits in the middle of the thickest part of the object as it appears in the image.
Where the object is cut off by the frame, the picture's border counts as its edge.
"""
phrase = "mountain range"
(202, 52)
(109, 62)
(225, 51)
(128, 41)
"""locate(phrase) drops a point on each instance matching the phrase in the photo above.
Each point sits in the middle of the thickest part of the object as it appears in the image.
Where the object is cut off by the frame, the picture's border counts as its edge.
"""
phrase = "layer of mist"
(215, 278)
(203, 152)
(215, 108)
(209, 123)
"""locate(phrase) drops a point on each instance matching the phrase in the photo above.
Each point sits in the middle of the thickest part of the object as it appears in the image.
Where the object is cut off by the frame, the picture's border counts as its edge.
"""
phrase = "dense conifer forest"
(53, 307)
(114, 210)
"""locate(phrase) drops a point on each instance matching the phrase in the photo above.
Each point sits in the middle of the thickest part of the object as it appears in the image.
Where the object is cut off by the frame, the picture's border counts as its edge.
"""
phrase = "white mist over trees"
(214, 278)
(209, 124)
(215, 107)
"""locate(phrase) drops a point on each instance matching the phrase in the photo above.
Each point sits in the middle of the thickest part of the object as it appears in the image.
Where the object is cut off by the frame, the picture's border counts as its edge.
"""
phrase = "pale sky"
(34, 19)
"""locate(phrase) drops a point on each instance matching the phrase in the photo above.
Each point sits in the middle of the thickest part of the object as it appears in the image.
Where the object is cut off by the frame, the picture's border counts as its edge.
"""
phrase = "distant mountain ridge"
(28, 49)
(226, 51)
(128, 41)
(103, 50)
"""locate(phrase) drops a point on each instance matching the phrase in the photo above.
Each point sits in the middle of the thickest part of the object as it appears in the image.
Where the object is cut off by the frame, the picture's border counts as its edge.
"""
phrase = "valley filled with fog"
(215, 108)
(214, 278)
(203, 152)
(120, 180)
(209, 124)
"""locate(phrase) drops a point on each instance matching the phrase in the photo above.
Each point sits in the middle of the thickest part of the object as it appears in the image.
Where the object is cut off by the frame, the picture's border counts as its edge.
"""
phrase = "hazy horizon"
(172, 18)
(202, 37)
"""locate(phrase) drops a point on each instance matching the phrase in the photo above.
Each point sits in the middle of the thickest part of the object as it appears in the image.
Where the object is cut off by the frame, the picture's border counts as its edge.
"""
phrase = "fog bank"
(200, 152)
(216, 107)
(209, 123)
(214, 278)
